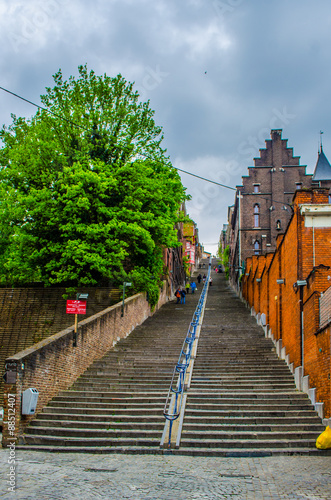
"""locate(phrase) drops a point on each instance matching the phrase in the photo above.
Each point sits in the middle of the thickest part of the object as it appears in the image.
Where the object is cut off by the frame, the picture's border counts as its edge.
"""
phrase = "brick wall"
(29, 315)
(54, 364)
(302, 253)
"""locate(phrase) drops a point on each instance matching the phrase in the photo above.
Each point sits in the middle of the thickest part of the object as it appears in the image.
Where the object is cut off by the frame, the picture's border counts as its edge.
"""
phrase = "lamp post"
(125, 284)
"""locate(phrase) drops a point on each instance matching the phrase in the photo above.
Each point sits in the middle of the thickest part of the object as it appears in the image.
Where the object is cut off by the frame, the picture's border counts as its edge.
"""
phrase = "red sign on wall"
(76, 307)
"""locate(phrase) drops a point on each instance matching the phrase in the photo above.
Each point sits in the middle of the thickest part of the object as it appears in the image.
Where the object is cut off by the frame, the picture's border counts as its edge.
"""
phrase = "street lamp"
(125, 284)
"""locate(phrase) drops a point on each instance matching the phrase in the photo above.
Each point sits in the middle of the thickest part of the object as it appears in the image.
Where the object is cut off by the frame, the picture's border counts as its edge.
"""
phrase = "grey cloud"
(219, 74)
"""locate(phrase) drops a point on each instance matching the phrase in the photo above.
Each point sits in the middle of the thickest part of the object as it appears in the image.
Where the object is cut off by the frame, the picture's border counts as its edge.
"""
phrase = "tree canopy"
(87, 194)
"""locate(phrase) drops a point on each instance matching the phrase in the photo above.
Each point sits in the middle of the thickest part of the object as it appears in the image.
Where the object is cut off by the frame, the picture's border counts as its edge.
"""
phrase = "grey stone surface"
(62, 476)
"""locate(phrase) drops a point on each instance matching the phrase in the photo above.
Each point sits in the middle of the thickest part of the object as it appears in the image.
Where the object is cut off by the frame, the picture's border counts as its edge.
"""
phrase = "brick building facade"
(290, 290)
(262, 206)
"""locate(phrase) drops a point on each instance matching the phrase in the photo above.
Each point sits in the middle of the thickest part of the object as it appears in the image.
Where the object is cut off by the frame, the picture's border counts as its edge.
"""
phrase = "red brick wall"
(54, 364)
(284, 303)
(322, 369)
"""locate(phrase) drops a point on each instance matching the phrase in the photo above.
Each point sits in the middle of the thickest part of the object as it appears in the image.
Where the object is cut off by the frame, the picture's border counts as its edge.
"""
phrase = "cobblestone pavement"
(52, 476)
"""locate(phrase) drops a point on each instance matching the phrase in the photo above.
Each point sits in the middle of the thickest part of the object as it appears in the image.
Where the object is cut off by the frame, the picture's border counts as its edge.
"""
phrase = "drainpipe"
(239, 235)
(301, 330)
(313, 242)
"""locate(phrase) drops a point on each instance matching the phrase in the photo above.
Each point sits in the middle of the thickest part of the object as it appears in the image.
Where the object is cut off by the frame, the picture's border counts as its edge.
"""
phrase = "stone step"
(121, 389)
(221, 435)
(152, 410)
(206, 394)
(248, 413)
(241, 399)
(233, 386)
(217, 419)
(204, 452)
(253, 396)
(239, 419)
(113, 400)
(133, 426)
(109, 442)
(234, 442)
(130, 419)
(120, 422)
(153, 432)
(87, 442)
(248, 407)
(244, 377)
(100, 405)
(122, 385)
(154, 379)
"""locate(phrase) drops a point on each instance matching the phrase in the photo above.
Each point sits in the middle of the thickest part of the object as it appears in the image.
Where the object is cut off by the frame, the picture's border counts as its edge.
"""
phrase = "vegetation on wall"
(224, 259)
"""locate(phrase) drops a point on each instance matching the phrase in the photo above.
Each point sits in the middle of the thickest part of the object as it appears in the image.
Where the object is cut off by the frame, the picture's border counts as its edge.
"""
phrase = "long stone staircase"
(117, 404)
(242, 400)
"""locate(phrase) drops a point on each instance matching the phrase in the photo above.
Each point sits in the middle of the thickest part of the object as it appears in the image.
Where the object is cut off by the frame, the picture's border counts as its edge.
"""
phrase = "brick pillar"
(12, 403)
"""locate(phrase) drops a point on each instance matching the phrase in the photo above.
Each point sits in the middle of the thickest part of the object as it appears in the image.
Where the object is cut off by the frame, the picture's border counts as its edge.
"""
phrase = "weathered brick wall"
(54, 364)
(322, 369)
(287, 303)
(274, 297)
(289, 297)
(317, 341)
(29, 315)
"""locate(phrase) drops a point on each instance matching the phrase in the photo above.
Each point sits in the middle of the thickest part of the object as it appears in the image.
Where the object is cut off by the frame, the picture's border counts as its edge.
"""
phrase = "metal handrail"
(173, 404)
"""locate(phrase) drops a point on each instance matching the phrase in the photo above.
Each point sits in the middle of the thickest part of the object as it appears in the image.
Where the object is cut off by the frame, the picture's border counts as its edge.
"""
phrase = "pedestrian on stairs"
(178, 295)
(183, 295)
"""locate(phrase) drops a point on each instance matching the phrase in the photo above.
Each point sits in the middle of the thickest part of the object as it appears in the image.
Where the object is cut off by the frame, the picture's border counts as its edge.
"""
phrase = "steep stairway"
(117, 404)
(243, 400)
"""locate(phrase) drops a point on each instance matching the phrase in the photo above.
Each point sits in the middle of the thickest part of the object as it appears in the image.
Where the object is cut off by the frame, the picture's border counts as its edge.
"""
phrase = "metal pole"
(75, 331)
(123, 299)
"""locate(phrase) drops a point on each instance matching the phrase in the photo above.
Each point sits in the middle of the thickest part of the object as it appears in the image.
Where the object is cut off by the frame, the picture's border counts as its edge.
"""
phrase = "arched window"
(256, 248)
(256, 215)
(278, 225)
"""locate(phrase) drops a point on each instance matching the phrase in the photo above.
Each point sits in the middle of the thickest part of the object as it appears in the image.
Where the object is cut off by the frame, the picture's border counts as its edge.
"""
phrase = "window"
(256, 188)
(256, 215)
(256, 248)
(278, 225)
(298, 185)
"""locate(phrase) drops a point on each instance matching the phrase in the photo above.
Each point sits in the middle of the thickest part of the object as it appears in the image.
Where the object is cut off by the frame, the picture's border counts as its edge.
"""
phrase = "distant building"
(191, 245)
(322, 173)
(263, 203)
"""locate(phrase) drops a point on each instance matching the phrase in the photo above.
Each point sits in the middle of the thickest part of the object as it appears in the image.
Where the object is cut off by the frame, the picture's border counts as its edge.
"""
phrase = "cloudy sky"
(219, 75)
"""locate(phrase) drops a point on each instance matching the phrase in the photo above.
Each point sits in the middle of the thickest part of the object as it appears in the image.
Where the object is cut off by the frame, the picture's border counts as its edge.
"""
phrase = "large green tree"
(87, 194)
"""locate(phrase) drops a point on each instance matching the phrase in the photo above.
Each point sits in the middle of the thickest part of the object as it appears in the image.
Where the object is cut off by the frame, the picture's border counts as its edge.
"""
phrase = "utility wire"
(80, 126)
(204, 179)
(47, 110)
(87, 130)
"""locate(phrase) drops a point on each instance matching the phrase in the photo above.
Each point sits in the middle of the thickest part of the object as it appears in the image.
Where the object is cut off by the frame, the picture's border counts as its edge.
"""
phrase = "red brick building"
(290, 292)
(262, 206)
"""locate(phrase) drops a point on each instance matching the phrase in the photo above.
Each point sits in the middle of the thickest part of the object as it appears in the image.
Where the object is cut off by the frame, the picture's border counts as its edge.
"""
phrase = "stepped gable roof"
(323, 168)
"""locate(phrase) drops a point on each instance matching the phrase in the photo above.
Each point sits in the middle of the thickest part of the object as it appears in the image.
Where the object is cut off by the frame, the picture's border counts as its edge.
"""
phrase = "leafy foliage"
(225, 260)
(87, 194)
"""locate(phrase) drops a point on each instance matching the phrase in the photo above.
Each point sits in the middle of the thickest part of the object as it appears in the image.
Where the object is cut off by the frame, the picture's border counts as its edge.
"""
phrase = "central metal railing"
(174, 402)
